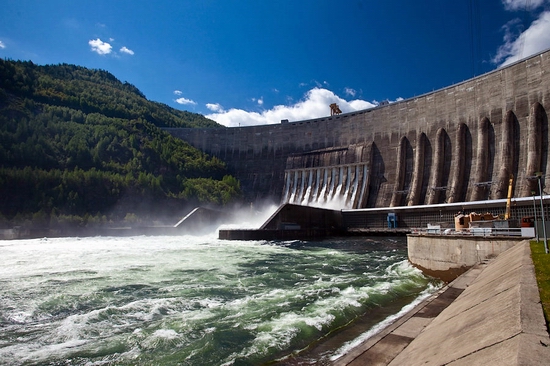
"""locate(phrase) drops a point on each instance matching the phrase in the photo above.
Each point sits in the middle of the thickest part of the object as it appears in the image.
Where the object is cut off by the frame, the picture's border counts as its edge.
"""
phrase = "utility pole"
(535, 212)
(539, 176)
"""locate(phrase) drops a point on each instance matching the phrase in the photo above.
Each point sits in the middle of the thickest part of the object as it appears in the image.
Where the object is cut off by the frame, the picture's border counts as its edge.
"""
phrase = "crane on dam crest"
(335, 109)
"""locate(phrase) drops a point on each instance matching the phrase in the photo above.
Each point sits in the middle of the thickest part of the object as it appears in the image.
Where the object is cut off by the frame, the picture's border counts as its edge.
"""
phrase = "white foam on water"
(69, 296)
(37, 353)
(58, 262)
(277, 333)
(161, 337)
(347, 347)
(166, 333)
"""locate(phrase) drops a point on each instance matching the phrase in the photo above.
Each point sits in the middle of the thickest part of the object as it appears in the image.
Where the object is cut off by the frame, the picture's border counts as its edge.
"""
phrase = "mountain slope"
(75, 141)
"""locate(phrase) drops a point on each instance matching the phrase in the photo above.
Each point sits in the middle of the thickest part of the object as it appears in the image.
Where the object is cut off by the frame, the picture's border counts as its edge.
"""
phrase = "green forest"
(78, 146)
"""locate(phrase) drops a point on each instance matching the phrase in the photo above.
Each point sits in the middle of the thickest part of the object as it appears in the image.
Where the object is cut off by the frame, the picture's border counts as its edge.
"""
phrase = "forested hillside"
(78, 144)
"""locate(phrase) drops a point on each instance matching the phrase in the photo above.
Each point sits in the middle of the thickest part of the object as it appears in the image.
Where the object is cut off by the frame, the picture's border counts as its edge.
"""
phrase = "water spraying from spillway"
(336, 178)
(337, 187)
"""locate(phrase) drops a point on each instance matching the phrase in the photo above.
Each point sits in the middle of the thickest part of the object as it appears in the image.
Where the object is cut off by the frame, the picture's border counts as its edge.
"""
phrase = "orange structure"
(334, 109)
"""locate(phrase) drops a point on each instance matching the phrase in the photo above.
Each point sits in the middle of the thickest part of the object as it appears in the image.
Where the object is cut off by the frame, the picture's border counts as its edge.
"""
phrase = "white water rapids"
(177, 300)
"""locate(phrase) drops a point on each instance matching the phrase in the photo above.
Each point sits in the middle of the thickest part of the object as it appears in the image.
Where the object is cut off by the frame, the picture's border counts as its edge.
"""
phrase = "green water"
(192, 300)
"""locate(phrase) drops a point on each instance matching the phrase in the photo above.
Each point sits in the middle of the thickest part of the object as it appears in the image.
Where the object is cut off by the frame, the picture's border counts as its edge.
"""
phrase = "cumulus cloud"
(214, 107)
(315, 104)
(126, 50)
(100, 47)
(178, 92)
(534, 39)
(185, 101)
(2, 45)
(513, 5)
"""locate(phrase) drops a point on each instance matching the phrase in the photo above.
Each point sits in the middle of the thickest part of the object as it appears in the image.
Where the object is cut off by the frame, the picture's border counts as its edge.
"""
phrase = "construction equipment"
(334, 109)
(509, 198)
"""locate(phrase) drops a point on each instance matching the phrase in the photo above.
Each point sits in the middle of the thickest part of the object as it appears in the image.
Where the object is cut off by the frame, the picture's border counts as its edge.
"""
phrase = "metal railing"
(474, 231)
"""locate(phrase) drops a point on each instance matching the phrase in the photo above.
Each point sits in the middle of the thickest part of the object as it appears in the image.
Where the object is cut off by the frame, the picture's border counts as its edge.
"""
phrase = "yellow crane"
(509, 198)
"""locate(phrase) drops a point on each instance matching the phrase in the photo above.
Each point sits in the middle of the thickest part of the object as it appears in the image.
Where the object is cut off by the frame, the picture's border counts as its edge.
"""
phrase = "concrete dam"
(457, 144)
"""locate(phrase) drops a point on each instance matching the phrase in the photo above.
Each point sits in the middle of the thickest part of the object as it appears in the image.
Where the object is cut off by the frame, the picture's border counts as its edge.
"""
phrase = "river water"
(196, 300)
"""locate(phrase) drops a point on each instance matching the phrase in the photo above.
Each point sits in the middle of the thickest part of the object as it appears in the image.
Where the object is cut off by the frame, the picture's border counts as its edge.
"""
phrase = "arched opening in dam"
(475, 164)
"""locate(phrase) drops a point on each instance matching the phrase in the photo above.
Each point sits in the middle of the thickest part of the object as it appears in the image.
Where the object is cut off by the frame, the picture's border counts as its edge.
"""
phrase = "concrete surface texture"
(495, 320)
(383, 347)
(448, 256)
(498, 320)
(460, 143)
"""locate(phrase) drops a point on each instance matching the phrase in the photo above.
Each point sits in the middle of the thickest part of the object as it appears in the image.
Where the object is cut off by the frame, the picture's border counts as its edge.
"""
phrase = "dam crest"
(457, 144)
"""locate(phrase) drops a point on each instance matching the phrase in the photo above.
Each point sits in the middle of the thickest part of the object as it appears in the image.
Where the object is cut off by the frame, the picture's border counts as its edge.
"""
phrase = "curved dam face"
(460, 143)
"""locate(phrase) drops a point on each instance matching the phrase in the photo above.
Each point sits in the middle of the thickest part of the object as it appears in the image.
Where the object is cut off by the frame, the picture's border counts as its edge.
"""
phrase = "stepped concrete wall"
(460, 143)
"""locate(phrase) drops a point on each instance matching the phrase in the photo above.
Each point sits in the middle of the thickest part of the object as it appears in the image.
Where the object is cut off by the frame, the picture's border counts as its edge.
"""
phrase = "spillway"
(335, 178)
(456, 144)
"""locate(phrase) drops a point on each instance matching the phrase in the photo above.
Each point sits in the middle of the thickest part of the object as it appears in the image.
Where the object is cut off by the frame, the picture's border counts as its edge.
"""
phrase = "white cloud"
(215, 107)
(513, 5)
(314, 105)
(534, 39)
(260, 101)
(102, 48)
(178, 92)
(350, 91)
(2, 45)
(185, 101)
(126, 50)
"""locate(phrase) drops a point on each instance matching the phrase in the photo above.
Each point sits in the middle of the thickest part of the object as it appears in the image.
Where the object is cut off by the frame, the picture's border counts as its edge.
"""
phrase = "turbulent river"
(197, 300)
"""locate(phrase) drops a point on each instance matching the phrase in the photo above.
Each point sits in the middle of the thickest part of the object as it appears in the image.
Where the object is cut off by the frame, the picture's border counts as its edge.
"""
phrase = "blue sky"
(256, 62)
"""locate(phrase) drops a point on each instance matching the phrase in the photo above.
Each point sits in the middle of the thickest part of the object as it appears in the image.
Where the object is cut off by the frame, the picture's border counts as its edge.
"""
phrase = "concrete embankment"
(496, 319)
(448, 256)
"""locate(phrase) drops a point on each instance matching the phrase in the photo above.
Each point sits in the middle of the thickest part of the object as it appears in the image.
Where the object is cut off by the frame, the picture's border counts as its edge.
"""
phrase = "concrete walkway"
(496, 319)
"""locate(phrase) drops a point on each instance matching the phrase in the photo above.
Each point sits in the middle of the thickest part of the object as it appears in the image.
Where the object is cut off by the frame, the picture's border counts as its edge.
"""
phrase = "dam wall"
(460, 143)
(335, 177)
(449, 256)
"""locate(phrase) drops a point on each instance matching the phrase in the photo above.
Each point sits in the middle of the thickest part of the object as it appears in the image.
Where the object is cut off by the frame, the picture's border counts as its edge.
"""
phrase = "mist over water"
(181, 300)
